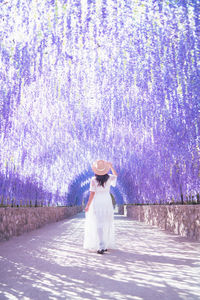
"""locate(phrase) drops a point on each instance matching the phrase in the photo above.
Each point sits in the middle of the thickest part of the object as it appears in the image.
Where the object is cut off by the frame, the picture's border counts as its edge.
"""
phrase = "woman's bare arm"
(89, 201)
(113, 170)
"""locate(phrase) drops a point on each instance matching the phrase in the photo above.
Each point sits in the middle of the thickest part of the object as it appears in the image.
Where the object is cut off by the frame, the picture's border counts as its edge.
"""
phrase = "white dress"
(99, 220)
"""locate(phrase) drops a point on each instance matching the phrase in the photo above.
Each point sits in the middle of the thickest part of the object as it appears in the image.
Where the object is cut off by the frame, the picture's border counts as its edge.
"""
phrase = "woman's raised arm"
(112, 169)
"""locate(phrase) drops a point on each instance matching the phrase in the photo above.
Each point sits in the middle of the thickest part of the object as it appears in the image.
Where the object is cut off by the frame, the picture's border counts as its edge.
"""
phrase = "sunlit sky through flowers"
(111, 79)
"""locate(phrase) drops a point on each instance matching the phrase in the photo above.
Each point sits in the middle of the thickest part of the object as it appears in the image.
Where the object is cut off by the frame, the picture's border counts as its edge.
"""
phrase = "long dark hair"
(101, 179)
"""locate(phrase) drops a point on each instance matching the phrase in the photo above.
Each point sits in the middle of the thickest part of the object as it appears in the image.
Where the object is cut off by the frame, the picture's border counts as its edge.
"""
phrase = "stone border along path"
(50, 263)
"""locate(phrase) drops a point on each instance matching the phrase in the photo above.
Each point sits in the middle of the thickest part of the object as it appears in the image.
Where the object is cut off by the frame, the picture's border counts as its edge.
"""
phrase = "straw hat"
(100, 167)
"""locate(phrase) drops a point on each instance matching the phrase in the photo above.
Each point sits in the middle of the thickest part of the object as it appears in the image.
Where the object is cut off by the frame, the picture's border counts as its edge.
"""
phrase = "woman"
(99, 222)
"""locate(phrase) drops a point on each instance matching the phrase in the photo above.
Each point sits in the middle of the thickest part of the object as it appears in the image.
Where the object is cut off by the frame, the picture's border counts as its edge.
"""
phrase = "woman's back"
(99, 225)
(97, 188)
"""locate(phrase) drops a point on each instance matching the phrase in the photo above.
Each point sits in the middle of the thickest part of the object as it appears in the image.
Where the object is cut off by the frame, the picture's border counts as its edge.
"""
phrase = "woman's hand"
(86, 209)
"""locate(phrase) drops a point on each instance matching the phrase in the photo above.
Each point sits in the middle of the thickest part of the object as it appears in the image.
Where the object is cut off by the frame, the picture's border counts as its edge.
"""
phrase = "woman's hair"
(101, 179)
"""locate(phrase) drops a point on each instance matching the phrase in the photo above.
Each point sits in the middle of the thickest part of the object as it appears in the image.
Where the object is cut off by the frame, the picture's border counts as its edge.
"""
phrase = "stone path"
(50, 263)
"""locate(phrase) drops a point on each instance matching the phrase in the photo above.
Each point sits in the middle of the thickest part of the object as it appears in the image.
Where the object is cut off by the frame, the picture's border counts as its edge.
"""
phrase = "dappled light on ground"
(50, 263)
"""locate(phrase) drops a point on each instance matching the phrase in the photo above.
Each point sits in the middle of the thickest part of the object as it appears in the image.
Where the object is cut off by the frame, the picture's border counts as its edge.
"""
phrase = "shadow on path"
(50, 263)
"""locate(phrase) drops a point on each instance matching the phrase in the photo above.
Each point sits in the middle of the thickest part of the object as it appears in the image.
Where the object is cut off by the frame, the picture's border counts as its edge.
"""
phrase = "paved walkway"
(50, 263)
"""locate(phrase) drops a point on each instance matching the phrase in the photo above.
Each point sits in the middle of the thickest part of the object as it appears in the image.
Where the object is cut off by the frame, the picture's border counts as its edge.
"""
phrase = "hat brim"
(101, 172)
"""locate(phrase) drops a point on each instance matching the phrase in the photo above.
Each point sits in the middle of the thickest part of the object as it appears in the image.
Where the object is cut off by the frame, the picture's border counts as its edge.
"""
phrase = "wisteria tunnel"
(111, 79)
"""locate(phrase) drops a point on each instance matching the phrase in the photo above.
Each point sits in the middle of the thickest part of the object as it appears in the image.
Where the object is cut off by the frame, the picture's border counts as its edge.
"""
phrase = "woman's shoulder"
(93, 179)
(111, 176)
(113, 179)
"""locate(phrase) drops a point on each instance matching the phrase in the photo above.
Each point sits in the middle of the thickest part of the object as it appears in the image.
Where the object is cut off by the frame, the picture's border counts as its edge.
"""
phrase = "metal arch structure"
(111, 79)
